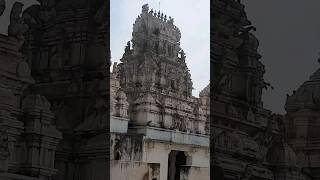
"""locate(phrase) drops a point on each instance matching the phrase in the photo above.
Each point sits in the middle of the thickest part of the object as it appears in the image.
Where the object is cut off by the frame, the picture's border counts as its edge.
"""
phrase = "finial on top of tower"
(145, 8)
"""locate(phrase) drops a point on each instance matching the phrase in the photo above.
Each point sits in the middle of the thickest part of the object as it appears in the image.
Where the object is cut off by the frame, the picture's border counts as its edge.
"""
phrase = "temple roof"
(282, 154)
(205, 91)
(307, 96)
(150, 21)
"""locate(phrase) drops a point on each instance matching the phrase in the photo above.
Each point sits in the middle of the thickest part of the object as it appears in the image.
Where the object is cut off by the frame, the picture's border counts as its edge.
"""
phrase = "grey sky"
(4, 19)
(192, 17)
(289, 33)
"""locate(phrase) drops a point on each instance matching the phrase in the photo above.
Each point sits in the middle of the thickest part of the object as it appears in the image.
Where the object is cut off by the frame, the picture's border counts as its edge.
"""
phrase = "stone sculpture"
(47, 10)
(170, 20)
(128, 47)
(17, 27)
(182, 55)
(145, 8)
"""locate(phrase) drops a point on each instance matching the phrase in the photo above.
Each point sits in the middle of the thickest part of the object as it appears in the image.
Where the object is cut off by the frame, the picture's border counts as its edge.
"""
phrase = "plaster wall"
(158, 152)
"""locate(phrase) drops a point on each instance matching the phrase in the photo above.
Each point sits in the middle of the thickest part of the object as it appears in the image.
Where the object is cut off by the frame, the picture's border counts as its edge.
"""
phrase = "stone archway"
(175, 160)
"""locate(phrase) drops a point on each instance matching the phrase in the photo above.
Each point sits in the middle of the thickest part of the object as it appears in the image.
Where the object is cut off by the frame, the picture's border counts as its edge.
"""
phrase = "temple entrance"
(176, 159)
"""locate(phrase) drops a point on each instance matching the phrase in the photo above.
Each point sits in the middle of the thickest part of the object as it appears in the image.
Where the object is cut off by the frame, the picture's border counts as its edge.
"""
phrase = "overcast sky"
(192, 17)
(289, 34)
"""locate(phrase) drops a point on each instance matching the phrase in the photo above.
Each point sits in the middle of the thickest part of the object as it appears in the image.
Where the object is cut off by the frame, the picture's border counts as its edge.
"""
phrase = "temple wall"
(94, 170)
(174, 136)
(158, 152)
(118, 124)
(128, 170)
(201, 157)
(191, 173)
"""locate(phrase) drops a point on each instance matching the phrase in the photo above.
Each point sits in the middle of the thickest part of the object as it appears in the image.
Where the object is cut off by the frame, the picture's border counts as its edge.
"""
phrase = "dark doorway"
(175, 160)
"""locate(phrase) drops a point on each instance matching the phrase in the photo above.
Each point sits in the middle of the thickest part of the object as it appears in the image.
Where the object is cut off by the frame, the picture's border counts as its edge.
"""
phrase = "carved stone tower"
(156, 61)
(154, 75)
(154, 69)
(303, 115)
(247, 140)
(67, 50)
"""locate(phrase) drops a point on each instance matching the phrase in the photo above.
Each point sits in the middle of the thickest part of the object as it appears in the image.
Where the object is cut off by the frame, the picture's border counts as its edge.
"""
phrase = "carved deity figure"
(182, 56)
(117, 150)
(17, 27)
(122, 104)
(145, 8)
(177, 124)
(115, 70)
(2, 6)
(225, 74)
(171, 20)
(47, 9)
(127, 48)
(184, 125)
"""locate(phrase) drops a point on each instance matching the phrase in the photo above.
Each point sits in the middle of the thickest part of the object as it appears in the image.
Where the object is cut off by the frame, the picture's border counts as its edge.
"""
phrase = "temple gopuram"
(248, 141)
(158, 129)
(302, 108)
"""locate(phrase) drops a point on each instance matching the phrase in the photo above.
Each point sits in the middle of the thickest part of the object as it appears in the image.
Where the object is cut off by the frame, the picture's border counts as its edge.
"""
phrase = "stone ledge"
(178, 137)
(10, 176)
(10, 45)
